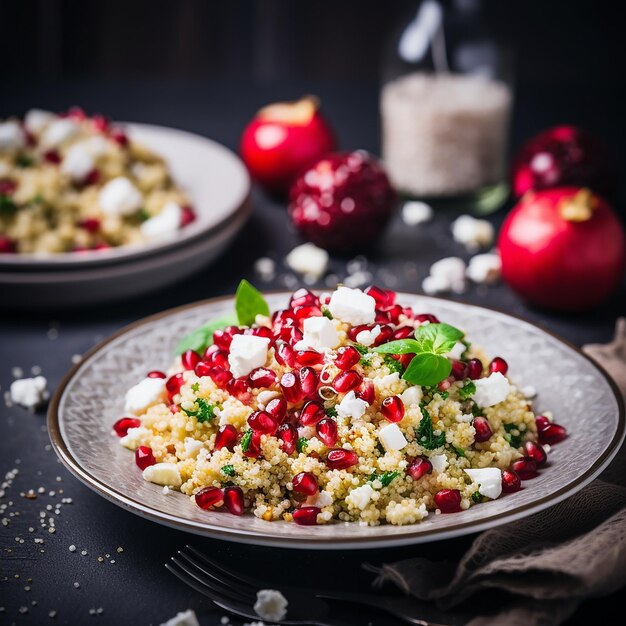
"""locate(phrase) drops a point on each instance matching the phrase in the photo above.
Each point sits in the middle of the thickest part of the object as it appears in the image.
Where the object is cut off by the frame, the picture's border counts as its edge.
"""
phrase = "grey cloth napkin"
(549, 562)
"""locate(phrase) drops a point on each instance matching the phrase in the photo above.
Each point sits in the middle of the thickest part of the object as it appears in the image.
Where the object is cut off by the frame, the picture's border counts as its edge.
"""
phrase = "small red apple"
(283, 139)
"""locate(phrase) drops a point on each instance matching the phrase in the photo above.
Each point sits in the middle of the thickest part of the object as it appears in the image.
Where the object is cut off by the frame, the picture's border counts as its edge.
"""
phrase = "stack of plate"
(218, 186)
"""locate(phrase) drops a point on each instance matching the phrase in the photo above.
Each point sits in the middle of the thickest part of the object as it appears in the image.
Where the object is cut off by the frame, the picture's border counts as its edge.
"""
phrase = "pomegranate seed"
(295, 335)
(422, 318)
(309, 357)
(203, 369)
(510, 481)
(382, 317)
(312, 413)
(254, 449)
(483, 429)
(347, 357)
(304, 312)
(526, 467)
(52, 156)
(392, 408)
(346, 381)
(542, 422)
(7, 187)
(219, 376)
(144, 457)
(226, 437)
(222, 338)
(459, 370)
(282, 323)
(309, 381)
(386, 333)
(444, 385)
(173, 385)
(355, 330)
(277, 408)
(535, 451)
(367, 392)
(394, 313)
(261, 377)
(338, 458)
(238, 387)
(260, 331)
(448, 500)
(288, 434)
(122, 425)
(403, 332)
(292, 390)
(285, 354)
(7, 245)
(92, 178)
(76, 113)
(306, 515)
(233, 500)
(120, 137)
(263, 422)
(418, 467)
(552, 433)
(327, 431)
(474, 368)
(102, 246)
(90, 224)
(384, 297)
(218, 358)
(190, 359)
(408, 312)
(156, 374)
(303, 297)
(403, 359)
(188, 216)
(499, 365)
(209, 496)
(306, 483)
(100, 122)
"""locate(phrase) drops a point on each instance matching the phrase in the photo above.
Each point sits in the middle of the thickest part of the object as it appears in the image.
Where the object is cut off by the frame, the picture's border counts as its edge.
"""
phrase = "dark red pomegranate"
(261, 377)
(448, 500)
(156, 374)
(347, 381)
(483, 429)
(327, 431)
(188, 216)
(306, 483)
(263, 422)
(418, 467)
(209, 497)
(341, 459)
(525, 467)
(474, 368)
(7, 245)
(226, 437)
(122, 425)
(288, 434)
(233, 500)
(312, 413)
(384, 297)
(510, 481)
(303, 297)
(144, 457)
(190, 359)
(277, 408)
(344, 201)
(498, 364)
(535, 451)
(306, 515)
(552, 433)
(309, 381)
(392, 408)
(347, 357)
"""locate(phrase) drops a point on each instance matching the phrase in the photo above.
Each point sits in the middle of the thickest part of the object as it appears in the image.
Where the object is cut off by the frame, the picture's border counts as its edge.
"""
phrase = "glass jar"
(445, 105)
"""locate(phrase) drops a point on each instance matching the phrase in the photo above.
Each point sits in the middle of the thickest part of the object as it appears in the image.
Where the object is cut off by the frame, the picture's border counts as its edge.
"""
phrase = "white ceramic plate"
(581, 396)
(214, 178)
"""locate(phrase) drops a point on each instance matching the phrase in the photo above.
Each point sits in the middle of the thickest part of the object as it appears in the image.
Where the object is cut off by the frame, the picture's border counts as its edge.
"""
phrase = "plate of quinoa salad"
(344, 419)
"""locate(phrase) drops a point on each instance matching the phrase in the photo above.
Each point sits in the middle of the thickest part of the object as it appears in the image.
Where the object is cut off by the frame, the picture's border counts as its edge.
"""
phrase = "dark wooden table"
(137, 588)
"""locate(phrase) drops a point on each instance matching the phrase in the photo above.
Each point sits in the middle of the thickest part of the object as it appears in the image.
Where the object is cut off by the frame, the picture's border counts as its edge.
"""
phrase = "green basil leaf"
(427, 369)
(201, 338)
(249, 302)
(437, 338)
(400, 346)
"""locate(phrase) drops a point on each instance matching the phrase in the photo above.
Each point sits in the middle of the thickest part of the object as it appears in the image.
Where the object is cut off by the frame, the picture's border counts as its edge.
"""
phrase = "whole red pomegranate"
(562, 248)
(343, 201)
(283, 139)
(564, 156)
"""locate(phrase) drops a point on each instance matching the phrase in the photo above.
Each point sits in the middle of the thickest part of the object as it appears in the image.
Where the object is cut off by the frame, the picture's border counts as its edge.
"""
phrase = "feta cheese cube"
(457, 351)
(120, 197)
(439, 462)
(491, 390)
(392, 438)
(134, 436)
(360, 496)
(352, 306)
(163, 474)
(415, 212)
(271, 605)
(144, 394)
(320, 332)
(246, 353)
(484, 268)
(163, 225)
(387, 380)
(308, 260)
(58, 132)
(489, 480)
(412, 395)
(11, 136)
(368, 337)
(192, 447)
(77, 163)
(29, 392)
(351, 406)
(185, 618)
(472, 233)
(320, 499)
(36, 120)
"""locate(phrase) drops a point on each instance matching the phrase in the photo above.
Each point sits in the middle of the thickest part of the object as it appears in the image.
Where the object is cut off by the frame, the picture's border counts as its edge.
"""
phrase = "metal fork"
(236, 593)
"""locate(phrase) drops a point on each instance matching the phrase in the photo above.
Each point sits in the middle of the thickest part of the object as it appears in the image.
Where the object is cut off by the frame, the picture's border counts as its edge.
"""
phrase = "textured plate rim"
(320, 542)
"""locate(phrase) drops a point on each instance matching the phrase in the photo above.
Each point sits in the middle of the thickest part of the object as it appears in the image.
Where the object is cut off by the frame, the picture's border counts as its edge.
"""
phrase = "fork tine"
(237, 578)
(242, 589)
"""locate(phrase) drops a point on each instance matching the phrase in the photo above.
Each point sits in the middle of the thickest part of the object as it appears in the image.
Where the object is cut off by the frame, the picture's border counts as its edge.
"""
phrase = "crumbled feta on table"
(415, 212)
(271, 605)
(447, 274)
(184, 618)
(308, 260)
(352, 306)
(473, 233)
(247, 352)
(29, 392)
(484, 268)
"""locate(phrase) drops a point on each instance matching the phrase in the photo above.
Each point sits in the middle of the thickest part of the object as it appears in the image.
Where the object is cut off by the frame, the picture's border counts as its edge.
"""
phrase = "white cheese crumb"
(352, 306)
(389, 379)
(72, 548)
(308, 260)
(439, 462)
(472, 233)
(29, 392)
(351, 406)
(447, 274)
(163, 474)
(265, 268)
(133, 437)
(361, 496)
(144, 394)
(415, 212)
(320, 499)
(484, 268)
(528, 391)
(246, 353)
(58, 132)
(392, 438)
(320, 332)
(185, 618)
(163, 225)
(11, 136)
(412, 395)
(36, 120)
(120, 197)
(489, 480)
(77, 163)
(192, 447)
(368, 337)
(271, 605)
(491, 390)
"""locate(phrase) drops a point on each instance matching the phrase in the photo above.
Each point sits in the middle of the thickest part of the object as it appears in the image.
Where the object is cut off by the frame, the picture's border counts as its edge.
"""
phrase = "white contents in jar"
(444, 134)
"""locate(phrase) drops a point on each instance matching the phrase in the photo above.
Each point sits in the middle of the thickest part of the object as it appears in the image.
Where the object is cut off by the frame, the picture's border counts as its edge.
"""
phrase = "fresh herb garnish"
(360, 348)
(467, 390)
(385, 478)
(249, 302)
(331, 411)
(443, 395)
(37, 199)
(476, 410)
(205, 411)
(195, 387)
(477, 497)
(327, 313)
(425, 434)
(459, 451)
(23, 161)
(246, 439)
(393, 365)
(302, 444)
(515, 441)
(201, 338)
(229, 470)
(432, 342)
(143, 215)
(7, 206)
(380, 448)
